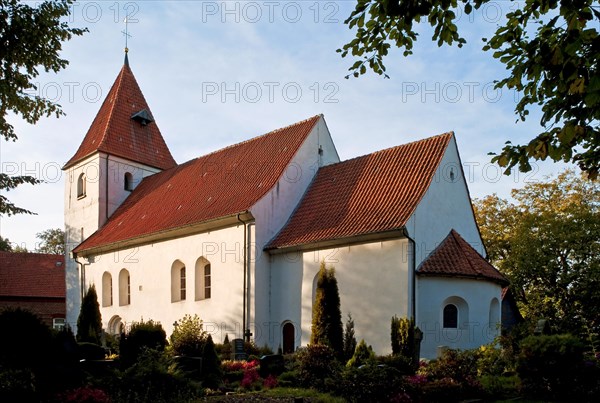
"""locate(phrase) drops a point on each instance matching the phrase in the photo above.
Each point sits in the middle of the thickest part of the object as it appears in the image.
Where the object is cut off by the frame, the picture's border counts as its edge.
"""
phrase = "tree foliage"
(549, 48)
(189, 337)
(89, 322)
(547, 242)
(349, 338)
(143, 335)
(363, 355)
(403, 337)
(52, 241)
(327, 316)
(31, 37)
(5, 245)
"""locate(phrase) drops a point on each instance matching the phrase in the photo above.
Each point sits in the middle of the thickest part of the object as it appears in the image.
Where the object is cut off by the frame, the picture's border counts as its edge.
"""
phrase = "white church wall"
(372, 280)
(474, 327)
(117, 168)
(81, 220)
(446, 205)
(151, 273)
(85, 214)
(273, 210)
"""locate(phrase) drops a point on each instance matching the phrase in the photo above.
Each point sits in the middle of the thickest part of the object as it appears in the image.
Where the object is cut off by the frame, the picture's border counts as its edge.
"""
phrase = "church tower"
(122, 146)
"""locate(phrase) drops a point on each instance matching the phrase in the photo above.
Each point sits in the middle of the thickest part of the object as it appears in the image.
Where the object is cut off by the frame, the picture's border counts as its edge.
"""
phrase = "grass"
(279, 393)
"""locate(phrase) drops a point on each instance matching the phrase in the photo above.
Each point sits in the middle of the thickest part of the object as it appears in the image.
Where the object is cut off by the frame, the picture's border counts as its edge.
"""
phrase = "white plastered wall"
(473, 332)
(149, 267)
(372, 281)
(445, 206)
(84, 215)
(271, 213)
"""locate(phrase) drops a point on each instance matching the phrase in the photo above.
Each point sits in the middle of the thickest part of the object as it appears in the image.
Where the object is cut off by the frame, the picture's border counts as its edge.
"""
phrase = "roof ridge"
(450, 133)
(118, 84)
(460, 241)
(256, 137)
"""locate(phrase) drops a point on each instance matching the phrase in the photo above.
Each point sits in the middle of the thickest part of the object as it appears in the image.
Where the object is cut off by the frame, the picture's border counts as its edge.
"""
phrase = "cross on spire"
(127, 35)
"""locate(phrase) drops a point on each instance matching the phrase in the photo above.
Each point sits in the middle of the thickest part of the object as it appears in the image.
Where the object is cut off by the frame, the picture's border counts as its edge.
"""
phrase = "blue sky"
(216, 73)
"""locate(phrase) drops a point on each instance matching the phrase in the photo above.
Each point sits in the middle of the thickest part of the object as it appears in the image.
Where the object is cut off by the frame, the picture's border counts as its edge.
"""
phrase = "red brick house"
(36, 282)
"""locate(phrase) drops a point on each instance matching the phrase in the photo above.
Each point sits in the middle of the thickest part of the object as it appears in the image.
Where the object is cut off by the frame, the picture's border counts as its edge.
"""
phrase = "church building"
(237, 236)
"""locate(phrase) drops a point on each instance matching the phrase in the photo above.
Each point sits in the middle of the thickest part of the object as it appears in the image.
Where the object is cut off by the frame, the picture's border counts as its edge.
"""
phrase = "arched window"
(81, 186)
(178, 281)
(289, 338)
(494, 313)
(455, 313)
(203, 282)
(107, 291)
(128, 181)
(115, 325)
(124, 288)
(450, 316)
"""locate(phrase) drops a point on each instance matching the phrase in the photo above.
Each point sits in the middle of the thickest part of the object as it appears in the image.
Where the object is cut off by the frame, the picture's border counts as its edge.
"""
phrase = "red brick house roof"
(455, 257)
(32, 275)
(371, 194)
(114, 132)
(220, 184)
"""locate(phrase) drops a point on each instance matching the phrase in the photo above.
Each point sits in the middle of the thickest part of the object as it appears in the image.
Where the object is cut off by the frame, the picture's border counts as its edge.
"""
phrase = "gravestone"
(238, 350)
(271, 365)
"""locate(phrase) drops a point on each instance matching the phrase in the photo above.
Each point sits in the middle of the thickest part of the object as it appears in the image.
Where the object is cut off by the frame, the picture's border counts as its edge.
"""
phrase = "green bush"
(317, 367)
(460, 366)
(499, 386)
(212, 377)
(363, 354)
(399, 362)
(152, 378)
(141, 336)
(371, 383)
(91, 351)
(550, 365)
(17, 385)
(189, 336)
(442, 390)
(494, 361)
(25, 341)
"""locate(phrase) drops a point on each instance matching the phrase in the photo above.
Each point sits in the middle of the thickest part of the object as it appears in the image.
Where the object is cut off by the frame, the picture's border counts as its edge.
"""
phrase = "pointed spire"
(126, 63)
(124, 127)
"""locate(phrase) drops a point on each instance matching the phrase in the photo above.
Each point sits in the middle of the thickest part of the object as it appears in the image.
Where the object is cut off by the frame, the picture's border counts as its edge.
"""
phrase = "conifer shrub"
(212, 377)
(363, 355)
(326, 316)
(403, 337)
(349, 338)
(89, 322)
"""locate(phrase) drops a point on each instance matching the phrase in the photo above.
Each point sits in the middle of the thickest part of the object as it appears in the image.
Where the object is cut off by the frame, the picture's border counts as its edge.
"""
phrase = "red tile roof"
(365, 195)
(115, 133)
(32, 275)
(456, 257)
(219, 184)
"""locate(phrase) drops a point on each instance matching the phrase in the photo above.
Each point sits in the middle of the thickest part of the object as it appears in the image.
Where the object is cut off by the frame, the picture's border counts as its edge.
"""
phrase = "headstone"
(238, 350)
(271, 365)
(417, 350)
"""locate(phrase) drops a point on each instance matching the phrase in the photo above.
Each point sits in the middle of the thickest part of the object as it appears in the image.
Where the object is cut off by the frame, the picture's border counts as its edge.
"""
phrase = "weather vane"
(126, 32)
